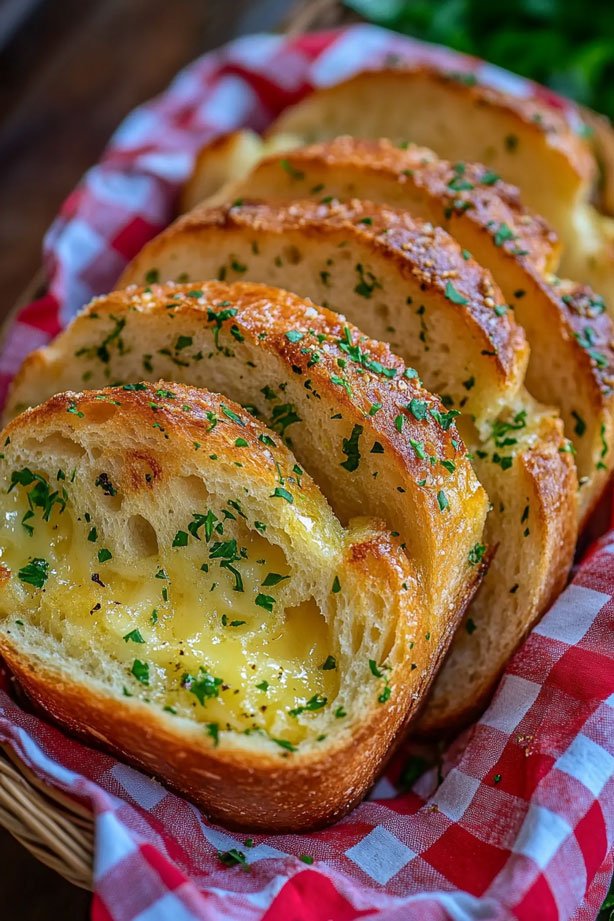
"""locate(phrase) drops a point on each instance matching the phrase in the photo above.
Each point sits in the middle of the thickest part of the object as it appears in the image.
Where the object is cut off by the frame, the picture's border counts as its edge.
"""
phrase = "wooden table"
(70, 72)
(69, 75)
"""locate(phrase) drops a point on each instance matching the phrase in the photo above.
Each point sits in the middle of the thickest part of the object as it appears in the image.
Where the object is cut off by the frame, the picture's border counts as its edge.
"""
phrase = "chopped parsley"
(453, 295)
(140, 670)
(291, 170)
(351, 450)
(317, 702)
(367, 282)
(202, 686)
(280, 493)
(265, 601)
(135, 636)
(233, 858)
(283, 743)
(34, 573)
(476, 554)
(273, 578)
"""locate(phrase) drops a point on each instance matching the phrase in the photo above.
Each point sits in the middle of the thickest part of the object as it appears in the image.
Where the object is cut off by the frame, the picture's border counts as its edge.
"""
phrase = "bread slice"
(175, 586)
(528, 143)
(569, 331)
(405, 281)
(339, 400)
(225, 159)
(431, 295)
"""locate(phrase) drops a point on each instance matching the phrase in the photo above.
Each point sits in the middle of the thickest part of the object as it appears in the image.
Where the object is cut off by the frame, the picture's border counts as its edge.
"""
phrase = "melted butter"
(233, 659)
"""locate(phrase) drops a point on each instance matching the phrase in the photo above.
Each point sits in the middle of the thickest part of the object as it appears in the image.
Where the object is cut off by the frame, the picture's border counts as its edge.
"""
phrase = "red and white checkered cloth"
(523, 823)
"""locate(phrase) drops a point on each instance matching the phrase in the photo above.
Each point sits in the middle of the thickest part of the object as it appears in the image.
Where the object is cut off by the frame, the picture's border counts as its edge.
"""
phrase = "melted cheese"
(236, 659)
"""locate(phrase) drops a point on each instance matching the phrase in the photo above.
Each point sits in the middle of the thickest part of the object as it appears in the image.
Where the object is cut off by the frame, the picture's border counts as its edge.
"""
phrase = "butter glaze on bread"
(570, 333)
(359, 421)
(161, 498)
(389, 275)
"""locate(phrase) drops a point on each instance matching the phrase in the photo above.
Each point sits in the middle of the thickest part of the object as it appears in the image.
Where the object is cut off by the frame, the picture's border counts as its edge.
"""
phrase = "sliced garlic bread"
(570, 334)
(337, 253)
(375, 440)
(175, 586)
(528, 143)
(407, 282)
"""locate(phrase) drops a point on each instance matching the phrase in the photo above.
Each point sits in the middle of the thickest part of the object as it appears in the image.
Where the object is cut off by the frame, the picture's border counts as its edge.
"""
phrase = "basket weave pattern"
(56, 832)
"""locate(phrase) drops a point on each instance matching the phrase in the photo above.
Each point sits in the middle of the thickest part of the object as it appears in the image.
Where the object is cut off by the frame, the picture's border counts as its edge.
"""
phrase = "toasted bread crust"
(550, 486)
(414, 248)
(459, 192)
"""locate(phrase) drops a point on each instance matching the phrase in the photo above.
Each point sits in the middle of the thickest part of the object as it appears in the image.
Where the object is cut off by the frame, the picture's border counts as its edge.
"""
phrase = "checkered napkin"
(517, 817)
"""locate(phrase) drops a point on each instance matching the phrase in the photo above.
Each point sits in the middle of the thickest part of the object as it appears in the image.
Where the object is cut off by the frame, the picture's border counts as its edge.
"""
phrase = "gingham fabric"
(517, 819)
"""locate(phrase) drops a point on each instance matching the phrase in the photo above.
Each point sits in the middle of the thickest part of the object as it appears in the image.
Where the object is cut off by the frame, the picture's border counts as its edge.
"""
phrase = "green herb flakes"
(34, 573)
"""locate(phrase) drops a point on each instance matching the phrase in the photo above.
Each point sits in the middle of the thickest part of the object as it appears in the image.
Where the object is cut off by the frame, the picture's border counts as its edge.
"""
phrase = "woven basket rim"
(55, 829)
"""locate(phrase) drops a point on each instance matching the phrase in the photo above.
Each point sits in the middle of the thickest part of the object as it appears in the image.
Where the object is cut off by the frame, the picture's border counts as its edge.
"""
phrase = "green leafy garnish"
(135, 636)
(34, 573)
(140, 670)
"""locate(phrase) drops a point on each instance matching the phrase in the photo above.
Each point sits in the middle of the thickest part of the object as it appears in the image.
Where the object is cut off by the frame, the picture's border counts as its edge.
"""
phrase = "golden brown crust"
(418, 250)
(549, 490)
(459, 191)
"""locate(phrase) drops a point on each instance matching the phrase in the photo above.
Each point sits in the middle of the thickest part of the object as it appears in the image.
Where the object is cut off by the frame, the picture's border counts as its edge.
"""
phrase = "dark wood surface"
(69, 75)
(70, 71)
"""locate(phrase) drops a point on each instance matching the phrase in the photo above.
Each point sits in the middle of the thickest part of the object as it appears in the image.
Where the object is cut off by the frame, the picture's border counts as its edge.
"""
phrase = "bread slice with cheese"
(405, 281)
(569, 331)
(174, 586)
(530, 144)
(376, 442)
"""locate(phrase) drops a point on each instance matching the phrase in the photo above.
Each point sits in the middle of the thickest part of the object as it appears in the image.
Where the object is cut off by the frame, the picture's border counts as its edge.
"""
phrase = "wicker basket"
(57, 831)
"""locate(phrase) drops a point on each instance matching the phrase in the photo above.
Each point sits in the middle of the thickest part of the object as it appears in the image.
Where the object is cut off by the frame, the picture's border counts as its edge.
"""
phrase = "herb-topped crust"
(270, 727)
(372, 246)
(351, 256)
(408, 176)
(528, 143)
